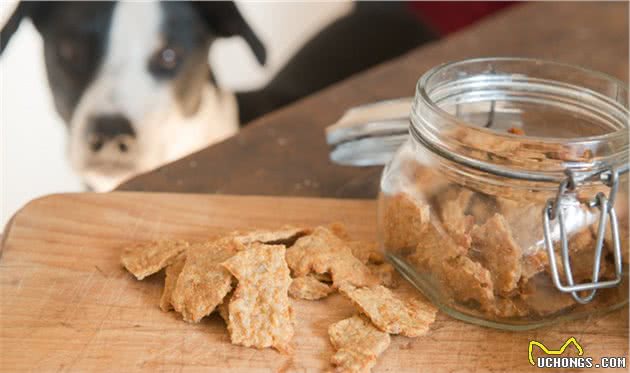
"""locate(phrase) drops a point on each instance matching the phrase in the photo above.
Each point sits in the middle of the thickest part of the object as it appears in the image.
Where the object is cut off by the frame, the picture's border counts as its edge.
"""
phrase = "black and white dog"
(133, 83)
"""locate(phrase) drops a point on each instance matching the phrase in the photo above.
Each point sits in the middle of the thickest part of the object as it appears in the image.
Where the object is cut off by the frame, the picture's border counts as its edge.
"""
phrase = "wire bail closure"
(554, 211)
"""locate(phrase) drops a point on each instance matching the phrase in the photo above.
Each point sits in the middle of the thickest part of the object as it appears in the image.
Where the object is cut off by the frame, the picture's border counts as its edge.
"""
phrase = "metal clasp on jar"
(554, 210)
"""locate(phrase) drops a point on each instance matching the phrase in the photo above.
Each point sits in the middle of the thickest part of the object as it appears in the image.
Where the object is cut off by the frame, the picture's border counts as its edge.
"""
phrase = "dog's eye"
(165, 61)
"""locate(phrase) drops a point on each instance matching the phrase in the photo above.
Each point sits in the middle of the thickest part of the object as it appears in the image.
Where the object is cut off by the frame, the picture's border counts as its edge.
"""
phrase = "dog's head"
(132, 79)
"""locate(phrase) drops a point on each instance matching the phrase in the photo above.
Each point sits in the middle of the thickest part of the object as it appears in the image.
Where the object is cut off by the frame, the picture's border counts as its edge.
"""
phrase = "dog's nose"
(111, 130)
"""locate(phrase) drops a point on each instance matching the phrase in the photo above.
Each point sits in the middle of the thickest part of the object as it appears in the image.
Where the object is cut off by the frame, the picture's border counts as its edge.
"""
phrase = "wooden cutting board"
(67, 305)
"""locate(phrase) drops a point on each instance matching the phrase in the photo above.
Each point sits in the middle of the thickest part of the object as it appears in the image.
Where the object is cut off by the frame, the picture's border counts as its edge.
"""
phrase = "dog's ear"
(24, 9)
(224, 19)
(9, 28)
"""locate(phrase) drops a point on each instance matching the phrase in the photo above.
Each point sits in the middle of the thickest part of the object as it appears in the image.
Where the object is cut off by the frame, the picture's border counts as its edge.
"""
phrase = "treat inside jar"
(483, 250)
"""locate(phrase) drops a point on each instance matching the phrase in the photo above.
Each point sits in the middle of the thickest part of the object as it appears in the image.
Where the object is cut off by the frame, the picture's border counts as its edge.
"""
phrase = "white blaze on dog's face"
(132, 80)
(132, 118)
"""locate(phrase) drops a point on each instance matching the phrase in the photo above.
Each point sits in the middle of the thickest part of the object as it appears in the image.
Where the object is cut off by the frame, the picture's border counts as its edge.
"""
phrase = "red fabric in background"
(447, 17)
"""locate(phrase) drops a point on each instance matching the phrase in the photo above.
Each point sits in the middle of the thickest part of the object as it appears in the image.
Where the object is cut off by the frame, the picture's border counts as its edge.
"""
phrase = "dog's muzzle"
(110, 150)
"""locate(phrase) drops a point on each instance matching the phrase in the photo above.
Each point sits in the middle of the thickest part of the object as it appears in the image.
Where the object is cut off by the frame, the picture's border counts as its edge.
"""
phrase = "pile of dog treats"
(248, 277)
(484, 251)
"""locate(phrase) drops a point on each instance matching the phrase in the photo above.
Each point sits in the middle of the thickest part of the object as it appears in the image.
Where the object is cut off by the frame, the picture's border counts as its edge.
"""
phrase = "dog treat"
(472, 138)
(524, 220)
(545, 303)
(366, 252)
(147, 258)
(203, 282)
(543, 299)
(533, 264)
(435, 247)
(309, 288)
(357, 343)
(467, 280)
(506, 308)
(463, 278)
(513, 150)
(404, 221)
(453, 203)
(410, 317)
(386, 273)
(223, 308)
(482, 207)
(323, 277)
(324, 252)
(350, 361)
(259, 312)
(283, 236)
(170, 280)
(499, 253)
(425, 179)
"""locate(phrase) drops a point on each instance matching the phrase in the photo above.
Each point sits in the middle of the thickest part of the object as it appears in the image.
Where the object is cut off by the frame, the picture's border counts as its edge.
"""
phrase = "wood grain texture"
(285, 153)
(67, 305)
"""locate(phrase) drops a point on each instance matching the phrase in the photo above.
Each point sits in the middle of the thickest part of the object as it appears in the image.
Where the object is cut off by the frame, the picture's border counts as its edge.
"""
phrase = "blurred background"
(33, 138)
(33, 133)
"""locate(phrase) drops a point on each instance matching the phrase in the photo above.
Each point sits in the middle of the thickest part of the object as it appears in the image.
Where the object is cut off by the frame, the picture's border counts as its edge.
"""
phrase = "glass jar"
(495, 204)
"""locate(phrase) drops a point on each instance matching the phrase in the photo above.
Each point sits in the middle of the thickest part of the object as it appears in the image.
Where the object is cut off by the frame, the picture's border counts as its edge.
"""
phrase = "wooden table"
(284, 153)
